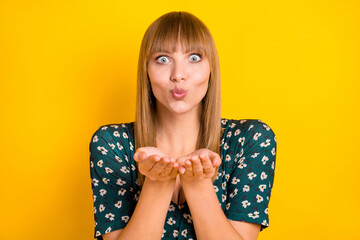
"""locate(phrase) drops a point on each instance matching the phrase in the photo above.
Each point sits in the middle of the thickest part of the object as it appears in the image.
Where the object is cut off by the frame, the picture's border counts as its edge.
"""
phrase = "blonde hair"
(163, 35)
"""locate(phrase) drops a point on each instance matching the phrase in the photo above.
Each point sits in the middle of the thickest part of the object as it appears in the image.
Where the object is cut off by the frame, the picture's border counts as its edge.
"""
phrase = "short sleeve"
(252, 176)
(113, 177)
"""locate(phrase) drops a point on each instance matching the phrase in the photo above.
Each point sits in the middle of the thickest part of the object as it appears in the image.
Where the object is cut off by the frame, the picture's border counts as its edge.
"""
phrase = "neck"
(176, 134)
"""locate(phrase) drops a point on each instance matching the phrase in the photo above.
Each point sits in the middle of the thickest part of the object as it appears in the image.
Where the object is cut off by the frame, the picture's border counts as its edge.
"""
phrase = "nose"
(178, 72)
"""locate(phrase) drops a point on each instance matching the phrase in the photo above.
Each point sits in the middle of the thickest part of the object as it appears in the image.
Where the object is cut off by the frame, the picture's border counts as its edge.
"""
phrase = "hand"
(199, 165)
(155, 165)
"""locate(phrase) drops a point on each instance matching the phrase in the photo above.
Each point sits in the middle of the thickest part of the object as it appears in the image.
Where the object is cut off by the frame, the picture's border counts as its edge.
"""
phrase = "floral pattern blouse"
(243, 184)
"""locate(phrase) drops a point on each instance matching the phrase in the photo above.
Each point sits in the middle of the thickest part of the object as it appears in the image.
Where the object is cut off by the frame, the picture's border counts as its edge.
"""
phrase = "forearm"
(147, 221)
(208, 218)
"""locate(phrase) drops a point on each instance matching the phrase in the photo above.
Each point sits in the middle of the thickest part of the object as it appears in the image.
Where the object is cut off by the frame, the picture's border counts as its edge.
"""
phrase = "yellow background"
(68, 67)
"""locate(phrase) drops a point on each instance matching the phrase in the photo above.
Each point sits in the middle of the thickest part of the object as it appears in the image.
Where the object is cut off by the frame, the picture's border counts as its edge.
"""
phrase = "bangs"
(178, 28)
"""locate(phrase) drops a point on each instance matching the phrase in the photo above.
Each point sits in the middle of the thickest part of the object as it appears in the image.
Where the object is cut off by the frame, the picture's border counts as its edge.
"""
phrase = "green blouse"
(243, 184)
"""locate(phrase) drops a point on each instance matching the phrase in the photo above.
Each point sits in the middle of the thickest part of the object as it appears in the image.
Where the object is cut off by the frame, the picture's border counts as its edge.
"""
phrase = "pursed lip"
(178, 93)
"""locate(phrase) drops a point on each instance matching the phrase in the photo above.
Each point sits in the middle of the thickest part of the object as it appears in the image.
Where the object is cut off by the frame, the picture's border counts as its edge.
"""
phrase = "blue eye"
(195, 57)
(162, 59)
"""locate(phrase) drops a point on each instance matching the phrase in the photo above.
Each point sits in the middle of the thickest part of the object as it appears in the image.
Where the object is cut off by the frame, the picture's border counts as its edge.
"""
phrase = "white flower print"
(266, 127)
(97, 233)
(125, 218)
(227, 177)
(265, 223)
(176, 233)
(263, 176)
(94, 197)
(232, 125)
(262, 187)
(227, 158)
(224, 121)
(235, 180)
(95, 210)
(246, 188)
(164, 231)
(100, 163)
(187, 217)
(237, 132)
(266, 211)
(102, 192)
(226, 147)
(233, 193)
(101, 208)
(242, 121)
(118, 159)
(250, 127)
(256, 136)
(275, 138)
(242, 140)
(255, 155)
(120, 182)
(120, 147)
(171, 208)
(104, 128)
(122, 192)
(91, 164)
(223, 185)
(224, 197)
(108, 170)
(216, 188)
(105, 180)
(228, 134)
(118, 204)
(110, 216)
(241, 163)
(95, 182)
(251, 175)
(254, 215)
(245, 203)
(95, 138)
(114, 126)
(265, 144)
(171, 221)
(272, 165)
(273, 151)
(227, 206)
(131, 146)
(184, 232)
(124, 169)
(241, 152)
(112, 145)
(259, 198)
(103, 150)
(125, 135)
(108, 230)
(116, 134)
(264, 159)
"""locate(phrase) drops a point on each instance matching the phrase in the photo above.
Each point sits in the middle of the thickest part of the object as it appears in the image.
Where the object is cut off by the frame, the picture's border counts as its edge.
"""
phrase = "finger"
(188, 168)
(168, 169)
(197, 167)
(215, 160)
(160, 166)
(206, 163)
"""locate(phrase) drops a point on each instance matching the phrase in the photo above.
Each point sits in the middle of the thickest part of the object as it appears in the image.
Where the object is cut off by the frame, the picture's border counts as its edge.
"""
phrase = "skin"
(176, 163)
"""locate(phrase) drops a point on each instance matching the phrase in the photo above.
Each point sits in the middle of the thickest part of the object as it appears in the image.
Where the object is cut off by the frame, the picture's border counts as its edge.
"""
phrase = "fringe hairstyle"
(163, 35)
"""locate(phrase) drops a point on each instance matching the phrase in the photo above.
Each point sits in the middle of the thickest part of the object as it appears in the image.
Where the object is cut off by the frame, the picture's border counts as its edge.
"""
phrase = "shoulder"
(111, 132)
(246, 135)
(233, 128)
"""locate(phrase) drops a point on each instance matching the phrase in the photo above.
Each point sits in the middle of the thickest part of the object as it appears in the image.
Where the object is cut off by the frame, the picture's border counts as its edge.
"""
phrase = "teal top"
(243, 184)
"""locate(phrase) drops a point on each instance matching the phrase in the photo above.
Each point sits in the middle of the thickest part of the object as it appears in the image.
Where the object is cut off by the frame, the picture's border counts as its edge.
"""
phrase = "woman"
(200, 176)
